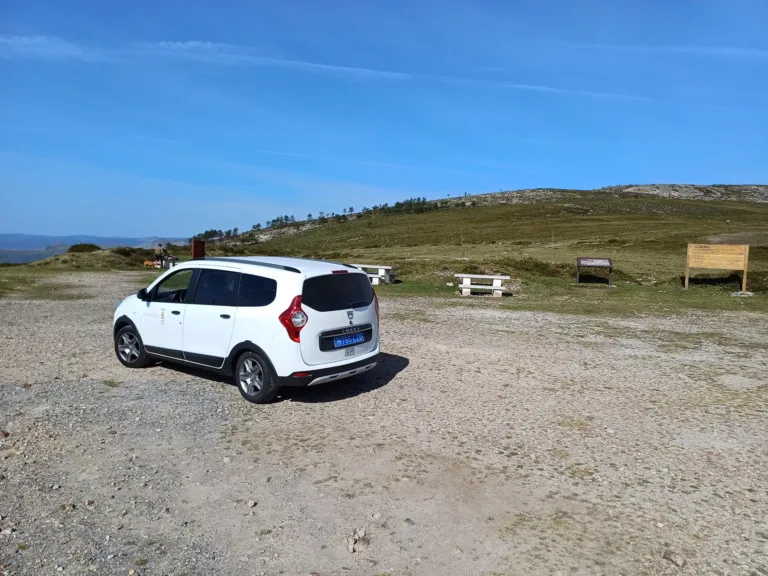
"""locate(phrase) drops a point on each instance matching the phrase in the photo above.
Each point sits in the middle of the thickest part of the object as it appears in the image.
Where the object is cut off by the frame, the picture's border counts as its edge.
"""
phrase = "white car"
(268, 322)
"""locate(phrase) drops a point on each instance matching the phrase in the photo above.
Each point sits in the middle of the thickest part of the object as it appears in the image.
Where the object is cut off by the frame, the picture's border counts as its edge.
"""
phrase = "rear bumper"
(320, 376)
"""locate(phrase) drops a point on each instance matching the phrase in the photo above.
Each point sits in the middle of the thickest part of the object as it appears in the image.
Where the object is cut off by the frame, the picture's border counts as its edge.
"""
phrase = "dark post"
(198, 249)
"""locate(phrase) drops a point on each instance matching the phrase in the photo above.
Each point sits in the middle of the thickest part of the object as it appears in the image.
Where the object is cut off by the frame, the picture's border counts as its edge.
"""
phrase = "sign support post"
(744, 276)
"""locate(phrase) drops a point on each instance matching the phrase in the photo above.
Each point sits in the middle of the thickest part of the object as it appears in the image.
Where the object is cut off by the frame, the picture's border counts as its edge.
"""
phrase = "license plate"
(349, 352)
(348, 340)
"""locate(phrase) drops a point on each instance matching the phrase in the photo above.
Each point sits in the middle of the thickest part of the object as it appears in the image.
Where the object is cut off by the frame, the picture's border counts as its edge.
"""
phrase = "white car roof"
(306, 266)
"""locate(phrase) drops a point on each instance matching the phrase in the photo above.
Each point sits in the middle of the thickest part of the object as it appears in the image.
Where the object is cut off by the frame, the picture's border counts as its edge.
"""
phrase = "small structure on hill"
(198, 249)
(591, 262)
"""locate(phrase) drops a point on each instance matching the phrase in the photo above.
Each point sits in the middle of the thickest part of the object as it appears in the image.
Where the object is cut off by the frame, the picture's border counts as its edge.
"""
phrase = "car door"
(210, 318)
(162, 316)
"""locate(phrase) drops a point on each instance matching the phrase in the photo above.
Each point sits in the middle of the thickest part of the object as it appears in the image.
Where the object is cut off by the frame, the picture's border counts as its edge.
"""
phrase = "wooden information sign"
(594, 262)
(720, 257)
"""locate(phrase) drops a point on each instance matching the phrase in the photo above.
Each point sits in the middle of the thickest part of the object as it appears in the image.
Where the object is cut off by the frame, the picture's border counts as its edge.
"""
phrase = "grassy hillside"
(646, 236)
(536, 243)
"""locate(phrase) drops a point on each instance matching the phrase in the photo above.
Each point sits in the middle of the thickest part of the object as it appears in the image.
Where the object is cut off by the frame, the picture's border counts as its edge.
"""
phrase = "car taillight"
(376, 299)
(294, 319)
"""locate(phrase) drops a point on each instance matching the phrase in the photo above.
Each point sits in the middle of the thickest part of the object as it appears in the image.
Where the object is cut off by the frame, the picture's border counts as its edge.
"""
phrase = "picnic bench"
(168, 262)
(594, 263)
(377, 273)
(469, 283)
(165, 264)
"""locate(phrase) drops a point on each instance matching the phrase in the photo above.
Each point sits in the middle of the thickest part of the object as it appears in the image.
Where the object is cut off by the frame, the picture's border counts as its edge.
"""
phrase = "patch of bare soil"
(487, 442)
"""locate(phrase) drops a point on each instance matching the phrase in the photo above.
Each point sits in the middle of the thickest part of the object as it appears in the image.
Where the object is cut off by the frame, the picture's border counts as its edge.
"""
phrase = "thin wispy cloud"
(535, 88)
(234, 55)
(230, 55)
(590, 93)
(218, 54)
(719, 51)
(55, 48)
(48, 48)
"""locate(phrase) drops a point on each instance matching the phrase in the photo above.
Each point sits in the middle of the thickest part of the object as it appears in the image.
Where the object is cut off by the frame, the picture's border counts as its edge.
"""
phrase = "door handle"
(225, 316)
(175, 312)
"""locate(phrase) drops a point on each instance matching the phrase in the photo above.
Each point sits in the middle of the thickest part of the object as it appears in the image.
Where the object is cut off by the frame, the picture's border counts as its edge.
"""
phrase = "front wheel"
(254, 379)
(129, 348)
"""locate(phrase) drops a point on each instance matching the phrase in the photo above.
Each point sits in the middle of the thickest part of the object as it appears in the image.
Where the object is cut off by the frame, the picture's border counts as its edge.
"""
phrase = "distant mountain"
(26, 256)
(23, 248)
(39, 242)
(730, 193)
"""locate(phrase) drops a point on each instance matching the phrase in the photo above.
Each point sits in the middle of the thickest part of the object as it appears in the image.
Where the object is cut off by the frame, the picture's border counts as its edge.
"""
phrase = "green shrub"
(85, 247)
(532, 266)
(124, 251)
(470, 268)
(134, 256)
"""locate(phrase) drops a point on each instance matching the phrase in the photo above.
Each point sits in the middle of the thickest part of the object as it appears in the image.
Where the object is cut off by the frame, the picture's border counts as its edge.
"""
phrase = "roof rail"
(326, 261)
(252, 262)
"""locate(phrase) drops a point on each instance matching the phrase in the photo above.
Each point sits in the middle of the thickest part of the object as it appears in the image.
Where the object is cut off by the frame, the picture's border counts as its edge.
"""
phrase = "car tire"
(254, 378)
(129, 348)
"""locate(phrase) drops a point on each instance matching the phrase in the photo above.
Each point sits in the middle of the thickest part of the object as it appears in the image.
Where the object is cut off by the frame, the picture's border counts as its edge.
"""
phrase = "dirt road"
(489, 442)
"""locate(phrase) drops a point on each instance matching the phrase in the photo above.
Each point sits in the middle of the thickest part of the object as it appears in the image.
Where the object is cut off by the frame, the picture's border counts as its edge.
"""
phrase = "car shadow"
(389, 366)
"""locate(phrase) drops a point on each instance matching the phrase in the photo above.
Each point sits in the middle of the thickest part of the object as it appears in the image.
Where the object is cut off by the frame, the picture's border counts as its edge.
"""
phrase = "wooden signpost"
(198, 249)
(720, 257)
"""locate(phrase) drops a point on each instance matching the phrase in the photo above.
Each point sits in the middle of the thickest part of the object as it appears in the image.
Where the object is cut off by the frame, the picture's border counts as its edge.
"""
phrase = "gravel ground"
(489, 442)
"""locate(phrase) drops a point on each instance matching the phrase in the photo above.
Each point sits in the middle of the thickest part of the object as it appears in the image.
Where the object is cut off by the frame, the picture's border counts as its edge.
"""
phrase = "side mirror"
(142, 294)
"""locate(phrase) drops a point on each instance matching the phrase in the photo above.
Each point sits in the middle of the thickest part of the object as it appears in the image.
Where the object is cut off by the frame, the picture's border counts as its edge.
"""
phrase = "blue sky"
(168, 118)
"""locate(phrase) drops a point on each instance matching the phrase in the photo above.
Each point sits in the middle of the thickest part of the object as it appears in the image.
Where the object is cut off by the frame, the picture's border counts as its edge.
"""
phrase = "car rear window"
(337, 292)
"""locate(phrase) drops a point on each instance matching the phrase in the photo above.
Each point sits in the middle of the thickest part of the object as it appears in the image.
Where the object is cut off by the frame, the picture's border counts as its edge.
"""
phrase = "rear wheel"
(129, 348)
(254, 379)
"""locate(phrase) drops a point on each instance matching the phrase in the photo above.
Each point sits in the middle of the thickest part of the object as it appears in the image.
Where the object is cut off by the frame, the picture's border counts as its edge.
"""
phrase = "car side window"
(174, 288)
(256, 291)
(217, 288)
